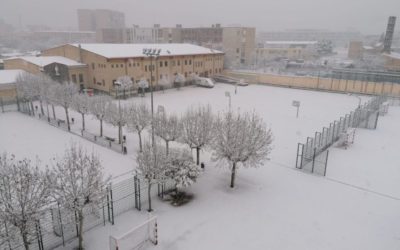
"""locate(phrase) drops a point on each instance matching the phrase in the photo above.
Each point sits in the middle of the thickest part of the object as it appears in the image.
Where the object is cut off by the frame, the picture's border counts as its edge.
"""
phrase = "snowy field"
(274, 207)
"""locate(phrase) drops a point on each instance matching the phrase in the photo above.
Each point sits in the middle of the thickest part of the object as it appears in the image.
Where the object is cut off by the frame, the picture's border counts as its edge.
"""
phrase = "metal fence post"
(112, 206)
(108, 204)
(326, 162)
(136, 181)
(2, 104)
(313, 160)
(39, 236)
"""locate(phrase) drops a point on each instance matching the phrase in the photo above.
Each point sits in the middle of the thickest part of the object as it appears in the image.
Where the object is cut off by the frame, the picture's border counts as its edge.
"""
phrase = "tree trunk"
(149, 195)
(119, 134)
(80, 246)
(54, 112)
(140, 142)
(48, 113)
(25, 239)
(33, 109)
(101, 127)
(67, 115)
(167, 147)
(233, 175)
(41, 107)
(198, 155)
(83, 121)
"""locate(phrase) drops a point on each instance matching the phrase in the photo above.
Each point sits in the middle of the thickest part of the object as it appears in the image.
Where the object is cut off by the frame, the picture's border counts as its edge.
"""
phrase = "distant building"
(238, 44)
(340, 39)
(106, 62)
(93, 20)
(138, 34)
(203, 35)
(275, 50)
(54, 37)
(8, 78)
(108, 35)
(59, 68)
(356, 50)
(392, 62)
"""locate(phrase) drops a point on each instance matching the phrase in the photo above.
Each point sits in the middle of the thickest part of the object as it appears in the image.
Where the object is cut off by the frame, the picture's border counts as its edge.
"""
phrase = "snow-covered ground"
(274, 207)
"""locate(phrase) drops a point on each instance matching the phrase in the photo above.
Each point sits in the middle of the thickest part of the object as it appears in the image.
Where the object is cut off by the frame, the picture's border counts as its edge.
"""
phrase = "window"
(166, 64)
(80, 78)
(122, 65)
(190, 62)
(73, 78)
(237, 50)
(93, 65)
(94, 80)
(185, 62)
(112, 65)
(116, 65)
(130, 65)
(160, 64)
(145, 68)
(179, 63)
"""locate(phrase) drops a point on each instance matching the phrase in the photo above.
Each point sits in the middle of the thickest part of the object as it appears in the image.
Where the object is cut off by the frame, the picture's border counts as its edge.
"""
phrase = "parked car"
(204, 82)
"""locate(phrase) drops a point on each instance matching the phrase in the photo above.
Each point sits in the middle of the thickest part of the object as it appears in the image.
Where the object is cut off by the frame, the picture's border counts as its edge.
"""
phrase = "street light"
(152, 53)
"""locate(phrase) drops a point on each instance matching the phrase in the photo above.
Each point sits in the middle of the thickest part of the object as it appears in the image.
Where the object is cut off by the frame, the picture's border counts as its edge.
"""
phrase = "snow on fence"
(312, 156)
(57, 225)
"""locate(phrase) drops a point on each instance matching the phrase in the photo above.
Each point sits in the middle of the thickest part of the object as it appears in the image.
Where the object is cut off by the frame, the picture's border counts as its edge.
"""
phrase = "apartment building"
(238, 44)
(138, 34)
(106, 62)
(93, 20)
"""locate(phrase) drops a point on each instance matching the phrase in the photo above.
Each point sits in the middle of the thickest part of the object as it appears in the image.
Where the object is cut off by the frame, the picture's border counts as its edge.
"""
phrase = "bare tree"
(81, 104)
(151, 165)
(24, 192)
(79, 184)
(197, 128)
(168, 128)
(45, 85)
(63, 96)
(99, 107)
(138, 119)
(117, 116)
(243, 139)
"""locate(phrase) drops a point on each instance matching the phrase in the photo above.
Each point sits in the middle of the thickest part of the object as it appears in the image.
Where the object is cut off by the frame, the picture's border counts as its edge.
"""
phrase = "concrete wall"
(318, 83)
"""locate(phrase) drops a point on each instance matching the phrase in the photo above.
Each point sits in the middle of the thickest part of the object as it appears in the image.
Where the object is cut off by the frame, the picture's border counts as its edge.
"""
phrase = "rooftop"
(46, 60)
(109, 50)
(8, 76)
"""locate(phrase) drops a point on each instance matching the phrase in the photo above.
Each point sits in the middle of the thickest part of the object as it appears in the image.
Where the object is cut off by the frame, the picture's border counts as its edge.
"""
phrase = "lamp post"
(152, 53)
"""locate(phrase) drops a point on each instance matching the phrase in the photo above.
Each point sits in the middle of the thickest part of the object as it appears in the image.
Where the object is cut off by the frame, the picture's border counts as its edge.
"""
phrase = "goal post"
(137, 236)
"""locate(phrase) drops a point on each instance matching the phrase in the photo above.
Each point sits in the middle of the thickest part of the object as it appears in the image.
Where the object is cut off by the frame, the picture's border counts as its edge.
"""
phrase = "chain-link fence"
(312, 156)
(8, 104)
(58, 226)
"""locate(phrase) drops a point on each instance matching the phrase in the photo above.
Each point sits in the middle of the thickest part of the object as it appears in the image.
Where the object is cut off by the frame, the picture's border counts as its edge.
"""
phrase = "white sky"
(367, 16)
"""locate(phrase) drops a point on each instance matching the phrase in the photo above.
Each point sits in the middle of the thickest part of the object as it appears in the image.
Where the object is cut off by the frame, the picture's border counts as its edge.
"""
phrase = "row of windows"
(74, 78)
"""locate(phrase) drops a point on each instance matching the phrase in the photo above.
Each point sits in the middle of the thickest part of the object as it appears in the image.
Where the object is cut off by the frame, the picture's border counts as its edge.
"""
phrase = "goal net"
(136, 237)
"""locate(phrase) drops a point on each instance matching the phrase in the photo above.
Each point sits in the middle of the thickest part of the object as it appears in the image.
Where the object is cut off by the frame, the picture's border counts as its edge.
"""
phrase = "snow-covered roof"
(109, 50)
(291, 42)
(9, 76)
(393, 55)
(46, 60)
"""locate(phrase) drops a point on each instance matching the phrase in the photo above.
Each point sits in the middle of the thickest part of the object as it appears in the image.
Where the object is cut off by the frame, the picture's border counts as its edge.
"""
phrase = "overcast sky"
(367, 16)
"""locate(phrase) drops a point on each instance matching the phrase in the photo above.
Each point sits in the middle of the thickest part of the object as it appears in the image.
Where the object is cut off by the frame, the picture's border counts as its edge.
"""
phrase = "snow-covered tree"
(167, 127)
(138, 119)
(24, 192)
(79, 184)
(122, 84)
(241, 139)
(197, 126)
(45, 85)
(181, 168)
(99, 107)
(179, 80)
(151, 165)
(117, 116)
(164, 84)
(63, 96)
(27, 86)
(81, 104)
(143, 85)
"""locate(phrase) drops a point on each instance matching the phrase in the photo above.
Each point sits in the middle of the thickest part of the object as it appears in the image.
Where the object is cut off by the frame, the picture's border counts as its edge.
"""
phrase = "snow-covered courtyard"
(356, 206)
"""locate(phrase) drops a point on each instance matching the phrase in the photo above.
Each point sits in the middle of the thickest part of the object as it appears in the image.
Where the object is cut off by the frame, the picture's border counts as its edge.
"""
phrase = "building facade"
(239, 46)
(138, 34)
(106, 62)
(392, 62)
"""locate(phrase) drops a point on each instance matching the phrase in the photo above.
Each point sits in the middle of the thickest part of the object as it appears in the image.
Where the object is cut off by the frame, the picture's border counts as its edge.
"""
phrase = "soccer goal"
(136, 237)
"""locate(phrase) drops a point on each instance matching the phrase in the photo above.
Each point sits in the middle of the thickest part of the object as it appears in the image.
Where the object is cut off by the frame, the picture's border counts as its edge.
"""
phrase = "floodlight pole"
(152, 53)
